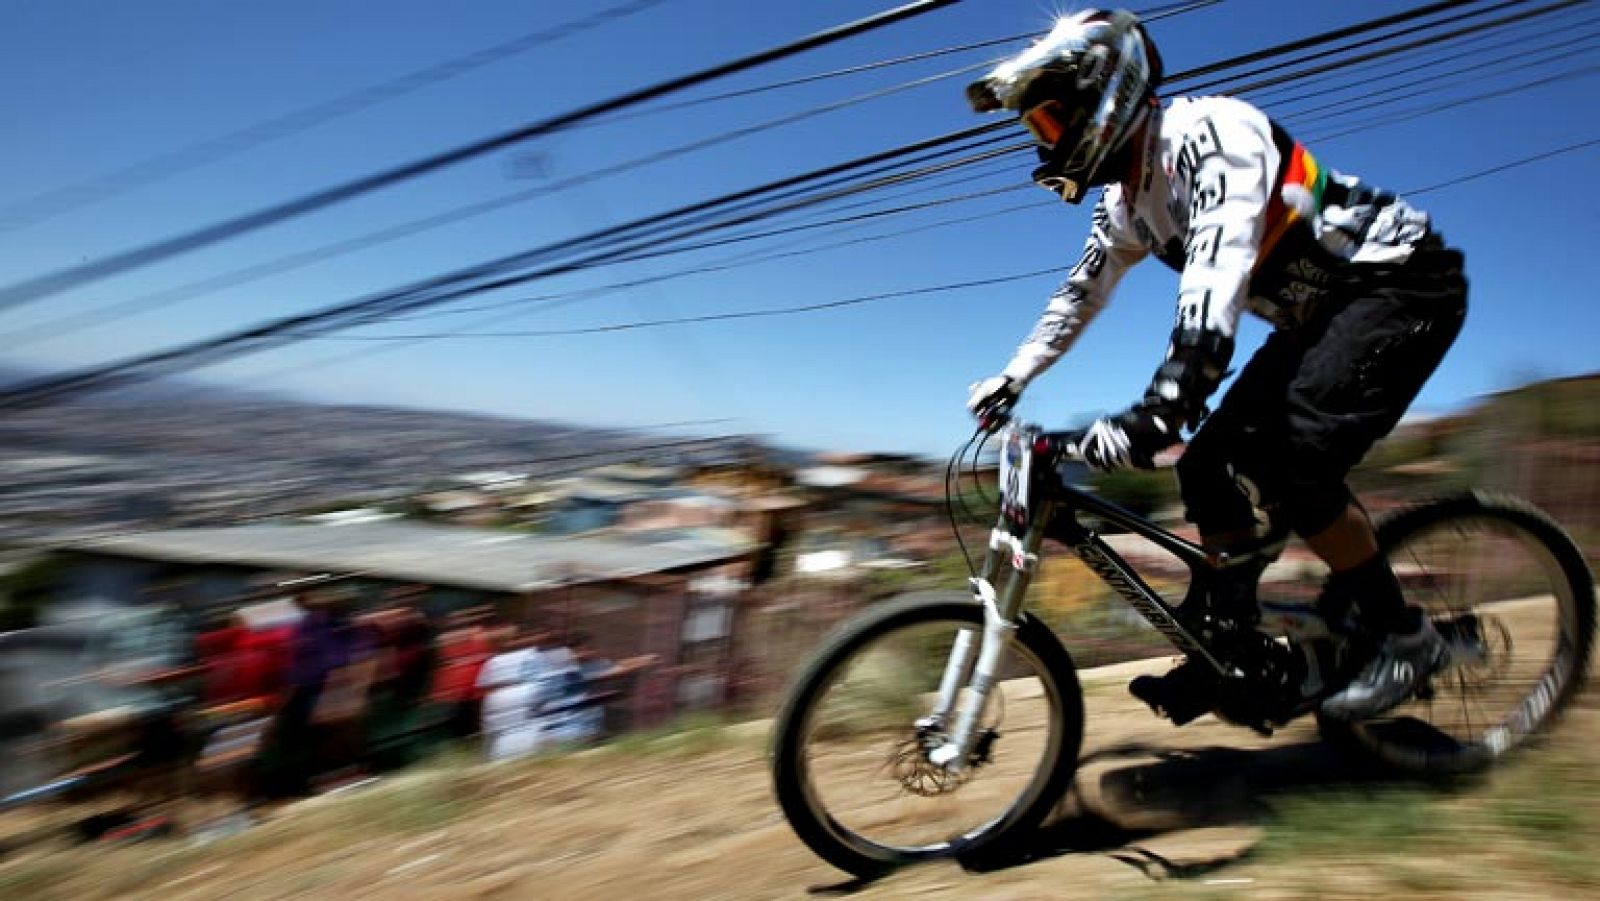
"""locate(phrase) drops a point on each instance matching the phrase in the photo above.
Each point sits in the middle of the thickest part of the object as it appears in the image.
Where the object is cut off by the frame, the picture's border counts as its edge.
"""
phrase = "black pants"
(1312, 401)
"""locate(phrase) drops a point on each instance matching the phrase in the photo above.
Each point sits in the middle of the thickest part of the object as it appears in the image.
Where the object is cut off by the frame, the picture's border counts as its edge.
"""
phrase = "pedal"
(1182, 695)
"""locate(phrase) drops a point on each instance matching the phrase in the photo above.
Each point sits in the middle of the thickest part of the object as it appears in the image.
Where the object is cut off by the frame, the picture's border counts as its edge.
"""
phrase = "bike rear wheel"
(850, 765)
(1506, 583)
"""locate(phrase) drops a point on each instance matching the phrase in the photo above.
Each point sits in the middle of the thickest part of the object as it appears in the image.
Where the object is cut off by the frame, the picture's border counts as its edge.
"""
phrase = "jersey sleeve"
(1108, 253)
(1227, 170)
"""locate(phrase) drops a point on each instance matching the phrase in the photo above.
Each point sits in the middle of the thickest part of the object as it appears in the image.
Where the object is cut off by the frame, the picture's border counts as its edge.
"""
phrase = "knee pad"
(1212, 497)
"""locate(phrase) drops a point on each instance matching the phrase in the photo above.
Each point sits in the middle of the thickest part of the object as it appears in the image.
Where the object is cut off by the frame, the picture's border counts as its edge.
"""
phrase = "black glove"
(1130, 439)
(991, 399)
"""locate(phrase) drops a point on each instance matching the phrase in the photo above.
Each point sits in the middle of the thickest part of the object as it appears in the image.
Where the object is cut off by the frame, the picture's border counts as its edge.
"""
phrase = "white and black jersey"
(1247, 217)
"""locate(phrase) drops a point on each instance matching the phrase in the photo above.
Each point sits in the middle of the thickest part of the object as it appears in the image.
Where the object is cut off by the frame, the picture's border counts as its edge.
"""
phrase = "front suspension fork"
(969, 673)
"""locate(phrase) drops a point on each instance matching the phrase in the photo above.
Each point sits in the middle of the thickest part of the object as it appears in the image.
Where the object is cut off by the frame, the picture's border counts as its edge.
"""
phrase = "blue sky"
(94, 86)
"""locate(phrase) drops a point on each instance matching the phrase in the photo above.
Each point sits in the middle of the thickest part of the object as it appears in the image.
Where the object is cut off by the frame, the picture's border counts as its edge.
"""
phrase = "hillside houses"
(666, 596)
(660, 565)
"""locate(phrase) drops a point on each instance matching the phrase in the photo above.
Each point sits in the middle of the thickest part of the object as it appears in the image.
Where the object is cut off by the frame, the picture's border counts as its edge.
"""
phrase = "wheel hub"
(912, 765)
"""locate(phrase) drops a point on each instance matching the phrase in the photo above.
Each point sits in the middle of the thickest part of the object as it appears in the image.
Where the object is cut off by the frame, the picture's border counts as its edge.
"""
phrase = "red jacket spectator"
(218, 653)
(462, 653)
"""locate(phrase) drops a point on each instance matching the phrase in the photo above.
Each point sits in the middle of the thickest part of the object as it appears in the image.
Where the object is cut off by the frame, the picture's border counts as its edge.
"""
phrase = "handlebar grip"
(1064, 445)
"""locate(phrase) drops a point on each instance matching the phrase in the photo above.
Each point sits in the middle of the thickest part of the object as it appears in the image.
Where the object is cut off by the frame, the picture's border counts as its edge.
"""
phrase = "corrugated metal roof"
(442, 555)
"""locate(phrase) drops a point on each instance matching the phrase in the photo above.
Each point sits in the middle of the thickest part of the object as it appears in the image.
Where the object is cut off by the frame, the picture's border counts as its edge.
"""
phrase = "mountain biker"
(1364, 295)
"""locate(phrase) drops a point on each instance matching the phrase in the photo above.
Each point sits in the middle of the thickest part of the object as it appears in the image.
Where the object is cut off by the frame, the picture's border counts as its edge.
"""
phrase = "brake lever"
(992, 421)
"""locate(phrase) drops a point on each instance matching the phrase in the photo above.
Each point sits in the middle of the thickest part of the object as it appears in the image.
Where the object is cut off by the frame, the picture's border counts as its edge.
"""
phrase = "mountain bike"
(927, 728)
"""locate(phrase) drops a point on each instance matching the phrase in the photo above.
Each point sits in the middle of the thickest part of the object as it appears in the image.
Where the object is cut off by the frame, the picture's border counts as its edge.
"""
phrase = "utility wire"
(524, 306)
(62, 280)
(106, 314)
(366, 310)
(1323, 38)
(1412, 45)
(1462, 48)
(1520, 0)
(1410, 115)
(552, 301)
(1364, 42)
(1415, 87)
(53, 203)
(1503, 167)
(838, 225)
(375, 304)
(724, 317)
(453, 286)
(888, 295)
(149, 302)
(1154, 14)
(415, 338)
(898, 210)
(548, 302)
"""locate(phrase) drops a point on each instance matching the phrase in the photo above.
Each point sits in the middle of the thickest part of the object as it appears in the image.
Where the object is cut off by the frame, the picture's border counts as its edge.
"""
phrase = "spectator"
(462, 650)
(510, 691)
(343, 710)
(404, 665)
(565, 713)
(317, 647)
(217, 651)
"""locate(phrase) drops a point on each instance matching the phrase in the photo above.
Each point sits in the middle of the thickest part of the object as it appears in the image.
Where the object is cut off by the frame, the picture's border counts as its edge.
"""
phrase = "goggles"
(1049, 122)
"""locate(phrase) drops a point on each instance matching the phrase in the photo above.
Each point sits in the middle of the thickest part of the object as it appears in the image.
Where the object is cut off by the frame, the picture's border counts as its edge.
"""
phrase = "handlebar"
(1061, 445)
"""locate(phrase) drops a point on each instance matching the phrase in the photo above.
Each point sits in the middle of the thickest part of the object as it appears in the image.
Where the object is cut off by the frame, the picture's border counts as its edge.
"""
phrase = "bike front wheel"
(851, 747)
(1512, 593)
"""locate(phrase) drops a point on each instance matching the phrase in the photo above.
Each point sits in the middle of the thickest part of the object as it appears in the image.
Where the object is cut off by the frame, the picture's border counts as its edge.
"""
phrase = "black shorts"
(1312, 400)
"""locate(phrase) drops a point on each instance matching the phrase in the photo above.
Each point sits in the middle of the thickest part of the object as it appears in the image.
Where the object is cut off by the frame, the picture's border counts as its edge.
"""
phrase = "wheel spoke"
(1466, 715)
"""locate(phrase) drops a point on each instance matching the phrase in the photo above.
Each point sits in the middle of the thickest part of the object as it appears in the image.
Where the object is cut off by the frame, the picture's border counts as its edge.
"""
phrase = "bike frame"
(1037, 504)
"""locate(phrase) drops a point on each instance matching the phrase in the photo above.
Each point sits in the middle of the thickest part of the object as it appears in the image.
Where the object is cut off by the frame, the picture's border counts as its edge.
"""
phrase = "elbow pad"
(1197, 360)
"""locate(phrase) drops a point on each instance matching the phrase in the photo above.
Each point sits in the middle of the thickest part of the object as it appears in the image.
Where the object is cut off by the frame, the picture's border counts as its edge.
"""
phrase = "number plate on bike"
(1016, 478)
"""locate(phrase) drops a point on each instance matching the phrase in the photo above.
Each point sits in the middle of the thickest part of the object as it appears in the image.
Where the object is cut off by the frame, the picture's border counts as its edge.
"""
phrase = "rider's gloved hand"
(1130, 439)
(991, 399)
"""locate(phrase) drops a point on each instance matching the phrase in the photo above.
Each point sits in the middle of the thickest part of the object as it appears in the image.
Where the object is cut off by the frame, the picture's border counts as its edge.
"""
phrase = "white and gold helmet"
(1082, 90)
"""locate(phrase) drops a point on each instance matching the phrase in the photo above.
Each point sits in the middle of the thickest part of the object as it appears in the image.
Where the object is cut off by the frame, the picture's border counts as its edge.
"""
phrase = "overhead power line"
(1153, 14)
(1318, 86)
(1408, 46)
(1409, 115)
(150, 301)
(1356, 45)
(61, 200)
(1325, 37)
(882, 296)
(724, 317)
(1503, 167)
(461, 283)
(1439, 81)
(475, 280)
(521, 307)
(62, 280)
